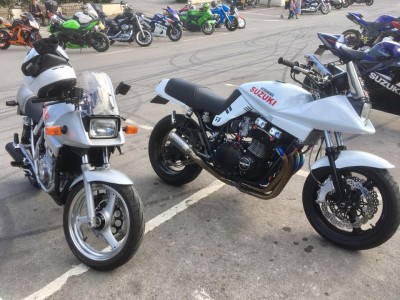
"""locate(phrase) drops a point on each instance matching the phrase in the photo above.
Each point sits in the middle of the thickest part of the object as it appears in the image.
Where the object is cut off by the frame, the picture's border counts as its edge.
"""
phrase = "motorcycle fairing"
(103, 175)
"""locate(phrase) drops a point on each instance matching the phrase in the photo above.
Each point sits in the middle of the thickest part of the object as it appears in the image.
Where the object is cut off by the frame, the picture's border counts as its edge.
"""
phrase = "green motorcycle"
(71, 34)
(203, 19)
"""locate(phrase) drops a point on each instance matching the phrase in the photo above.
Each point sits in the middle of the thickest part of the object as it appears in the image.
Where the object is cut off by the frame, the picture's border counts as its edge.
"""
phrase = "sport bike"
(230, 21)
(74, 35)
(310, 6)
(21, 32)
(161, 26)
(70, 129)
(257, 138)
(202, 19)
(369, 31)
(378, 66)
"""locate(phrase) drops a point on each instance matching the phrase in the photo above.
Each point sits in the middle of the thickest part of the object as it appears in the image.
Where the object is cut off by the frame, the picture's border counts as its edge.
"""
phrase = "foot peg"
(11, 103)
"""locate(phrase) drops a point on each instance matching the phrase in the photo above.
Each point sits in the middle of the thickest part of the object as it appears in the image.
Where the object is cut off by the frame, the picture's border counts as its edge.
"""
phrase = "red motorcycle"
(22, 32)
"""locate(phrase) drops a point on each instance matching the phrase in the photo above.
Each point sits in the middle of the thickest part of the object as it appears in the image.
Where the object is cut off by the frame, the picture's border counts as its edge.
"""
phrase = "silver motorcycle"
(70, 129)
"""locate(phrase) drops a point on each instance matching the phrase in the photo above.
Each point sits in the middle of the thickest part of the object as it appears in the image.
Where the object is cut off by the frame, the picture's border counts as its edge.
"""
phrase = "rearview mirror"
(122, 88)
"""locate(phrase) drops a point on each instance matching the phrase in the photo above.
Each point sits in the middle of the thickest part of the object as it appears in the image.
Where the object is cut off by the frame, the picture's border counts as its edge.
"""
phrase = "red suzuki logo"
(264, 95)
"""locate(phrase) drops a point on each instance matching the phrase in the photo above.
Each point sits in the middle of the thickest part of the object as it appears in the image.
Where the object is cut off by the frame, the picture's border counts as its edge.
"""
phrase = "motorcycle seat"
(199, 97)
(352, 54)
(378, 26)
(61, 16)
(33, 110)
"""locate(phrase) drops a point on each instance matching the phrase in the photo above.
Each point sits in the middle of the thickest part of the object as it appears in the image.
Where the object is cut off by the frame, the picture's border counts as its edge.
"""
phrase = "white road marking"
(58, 283)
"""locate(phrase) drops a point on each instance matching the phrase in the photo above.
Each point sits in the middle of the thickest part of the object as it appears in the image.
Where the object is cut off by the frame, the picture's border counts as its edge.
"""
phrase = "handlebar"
(287, 63)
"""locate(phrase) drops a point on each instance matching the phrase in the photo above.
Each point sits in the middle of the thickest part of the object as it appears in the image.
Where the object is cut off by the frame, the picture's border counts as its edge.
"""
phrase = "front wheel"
(338, 6)
(352, 38)
(100, 41)
(232, 25)
(119, 229)
(174, 33)
(167, 161)
(369, 2)
(256, 3)
(144, 39)
(207, 28)
(242, 23)
(4, 37)
(346, 3)
(325, 9)
(368, 214)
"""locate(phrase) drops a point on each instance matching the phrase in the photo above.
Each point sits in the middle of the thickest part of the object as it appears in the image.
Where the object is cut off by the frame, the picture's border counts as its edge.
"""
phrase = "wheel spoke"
(110, 204)
(80, 220)
(110, 239)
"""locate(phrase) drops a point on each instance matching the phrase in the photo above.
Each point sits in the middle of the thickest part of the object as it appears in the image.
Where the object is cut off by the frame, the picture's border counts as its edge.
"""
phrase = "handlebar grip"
(285, 62)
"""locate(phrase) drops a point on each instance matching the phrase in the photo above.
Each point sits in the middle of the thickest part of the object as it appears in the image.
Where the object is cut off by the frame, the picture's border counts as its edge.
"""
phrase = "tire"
(333, 221)
(207, 28)
(4, 37)
(144, 41)
(166, 158)
(256, 3)
(242, 23)
(352, 38)
(100, 42)
(174, 33)
(369, 2)
(245, 6)
(325, 9)
(34, 37)
(125, 227)
(233, 25)
(338, 6)
(346, 3)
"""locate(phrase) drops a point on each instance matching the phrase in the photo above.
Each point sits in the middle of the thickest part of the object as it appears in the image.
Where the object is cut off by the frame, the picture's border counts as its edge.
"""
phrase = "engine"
(250, 148)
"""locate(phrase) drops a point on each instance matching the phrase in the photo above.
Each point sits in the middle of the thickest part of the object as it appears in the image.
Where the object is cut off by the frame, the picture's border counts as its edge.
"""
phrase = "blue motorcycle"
(161, 26)
(370, 32)
(379, 67)
(230, 21)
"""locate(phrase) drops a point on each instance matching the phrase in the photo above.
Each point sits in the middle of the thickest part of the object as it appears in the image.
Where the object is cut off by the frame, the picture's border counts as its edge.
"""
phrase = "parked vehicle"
(127, 27)
(244, 4)
(202, 19)
(369, 32)
(70, 129)
(367, 2)
(21, 32)
(225, 17)
(338, 4)
(161, 26)
(349, 197)
(378, 66)
(310, 6)
(235, 12)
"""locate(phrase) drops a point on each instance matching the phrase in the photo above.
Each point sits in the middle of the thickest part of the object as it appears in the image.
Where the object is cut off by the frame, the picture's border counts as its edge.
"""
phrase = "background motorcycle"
(379, 68)
(161, 26)
(230, 138)
(244, 4)
(234, 12)
(22, 32)
(71, 34)
(338, 4)
(225, 17)
(315, 5)
(367, 2)
(369, 31)
(126, 27)
(65, 149)
(202, 19)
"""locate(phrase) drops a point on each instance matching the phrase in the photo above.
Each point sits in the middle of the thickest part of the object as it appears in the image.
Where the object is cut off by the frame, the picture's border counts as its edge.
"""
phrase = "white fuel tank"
(273, 96)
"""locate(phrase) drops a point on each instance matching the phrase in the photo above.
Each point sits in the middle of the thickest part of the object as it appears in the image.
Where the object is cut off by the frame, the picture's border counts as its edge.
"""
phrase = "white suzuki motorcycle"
(256, 140)
(70, 129)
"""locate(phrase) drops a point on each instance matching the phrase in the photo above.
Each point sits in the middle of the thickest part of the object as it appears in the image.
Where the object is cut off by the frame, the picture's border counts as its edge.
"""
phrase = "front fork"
(331, 153)
(90, 205)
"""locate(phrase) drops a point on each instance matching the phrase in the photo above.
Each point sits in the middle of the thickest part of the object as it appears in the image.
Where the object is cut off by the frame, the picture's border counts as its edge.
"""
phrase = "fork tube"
(88, 193)
(331, 154)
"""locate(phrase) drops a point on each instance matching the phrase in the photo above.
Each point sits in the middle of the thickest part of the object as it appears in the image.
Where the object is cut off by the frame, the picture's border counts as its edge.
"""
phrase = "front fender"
(104, 175)
(354, 159)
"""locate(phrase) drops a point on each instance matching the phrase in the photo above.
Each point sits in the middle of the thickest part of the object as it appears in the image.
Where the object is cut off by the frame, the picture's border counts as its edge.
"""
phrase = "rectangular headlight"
(103, 128)
(366, 110)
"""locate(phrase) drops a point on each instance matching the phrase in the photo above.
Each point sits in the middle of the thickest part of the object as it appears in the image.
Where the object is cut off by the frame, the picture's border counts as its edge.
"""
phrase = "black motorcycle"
(367, 2)
(126, 27)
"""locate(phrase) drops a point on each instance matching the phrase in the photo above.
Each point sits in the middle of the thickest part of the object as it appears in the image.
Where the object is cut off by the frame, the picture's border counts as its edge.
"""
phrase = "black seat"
(199, 97)
(352, 54)
(33, 110)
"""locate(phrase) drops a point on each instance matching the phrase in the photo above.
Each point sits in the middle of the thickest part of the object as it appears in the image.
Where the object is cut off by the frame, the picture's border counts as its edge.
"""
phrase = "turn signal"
(131, 129)
(53, 130)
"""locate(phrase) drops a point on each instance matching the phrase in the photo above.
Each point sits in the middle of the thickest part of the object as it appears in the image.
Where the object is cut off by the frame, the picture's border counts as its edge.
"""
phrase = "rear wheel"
(4, 37)
(167, 161)
(368, 214)
(119, 229)
(369, 2)
(325, 9)
(338, 6)
(100, 42)
(352, 38)
(207, 28)
(256, 3)
(346, 3)
(144, 39)
(245, 5)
